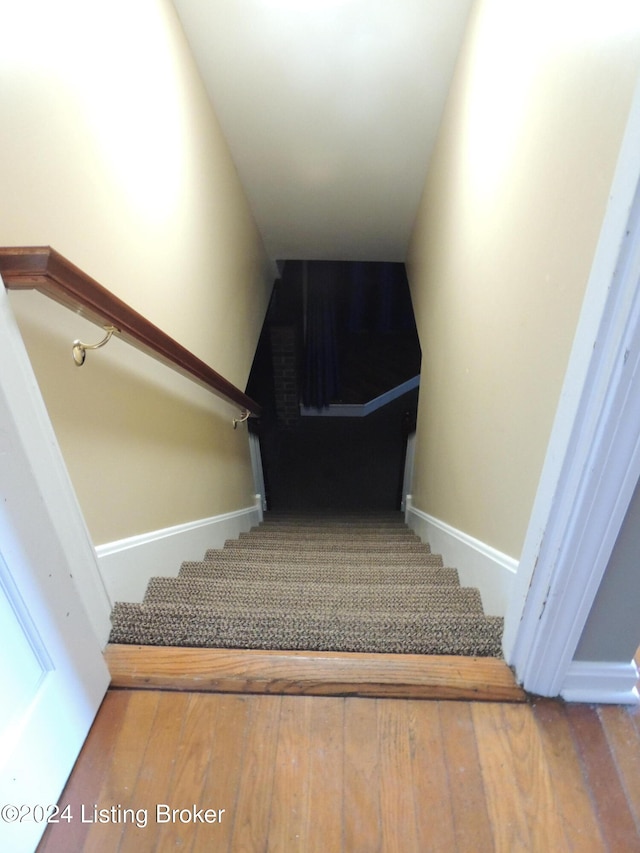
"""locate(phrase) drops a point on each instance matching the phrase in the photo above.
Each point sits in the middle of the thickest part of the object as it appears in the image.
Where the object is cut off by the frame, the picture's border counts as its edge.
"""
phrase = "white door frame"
(28, 410)
(54, 604)
(593, 458)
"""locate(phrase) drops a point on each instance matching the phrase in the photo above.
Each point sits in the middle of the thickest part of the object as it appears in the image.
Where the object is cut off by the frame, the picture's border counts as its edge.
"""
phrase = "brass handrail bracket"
(244, 416)
(80, 349)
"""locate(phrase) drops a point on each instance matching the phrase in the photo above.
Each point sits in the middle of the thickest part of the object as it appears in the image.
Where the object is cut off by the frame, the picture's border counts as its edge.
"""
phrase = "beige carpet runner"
(345, 583)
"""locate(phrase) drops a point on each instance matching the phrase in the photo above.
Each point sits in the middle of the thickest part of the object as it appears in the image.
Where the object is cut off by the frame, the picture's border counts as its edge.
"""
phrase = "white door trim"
(593, 458)
(45, 457)
(54, 673)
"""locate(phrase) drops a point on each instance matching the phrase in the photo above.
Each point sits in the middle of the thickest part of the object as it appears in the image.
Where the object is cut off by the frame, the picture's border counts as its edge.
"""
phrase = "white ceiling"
(330, 108)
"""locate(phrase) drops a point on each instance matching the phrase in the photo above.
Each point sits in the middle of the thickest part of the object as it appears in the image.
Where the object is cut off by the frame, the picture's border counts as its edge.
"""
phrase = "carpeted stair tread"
(189, 625)
(354, 525)
(354, 528)
(389, 557)
(330, 546)
(317, 597)
(335, 572)
(314, 557)
(325, 536)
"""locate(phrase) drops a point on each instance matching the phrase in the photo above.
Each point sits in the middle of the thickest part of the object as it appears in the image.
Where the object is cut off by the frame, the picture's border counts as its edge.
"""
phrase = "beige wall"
(111, 153)
(502, 247)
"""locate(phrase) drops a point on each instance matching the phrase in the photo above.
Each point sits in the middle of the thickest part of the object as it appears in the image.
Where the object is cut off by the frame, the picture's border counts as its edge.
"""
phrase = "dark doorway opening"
(336, 371)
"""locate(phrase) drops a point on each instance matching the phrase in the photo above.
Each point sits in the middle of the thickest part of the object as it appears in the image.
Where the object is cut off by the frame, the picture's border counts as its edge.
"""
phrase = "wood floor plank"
(361, 808)
(306, 811)
(85, 781)
(152, 786)
(398, 820)
(326, 776)
(225, 764)
(288, 825)
(611, 806)
(255, 786)
(186, 784)
(516, 780)
(312, 673)
(434, 821)
(581, 828)
(120, 771)
(468, 806)
(624, 744)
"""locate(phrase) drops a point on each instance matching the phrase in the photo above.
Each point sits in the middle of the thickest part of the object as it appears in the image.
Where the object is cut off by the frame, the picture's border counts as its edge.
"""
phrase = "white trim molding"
(478, 564)
(27, 409)
(601, 682)
(127, 564)
(257, 470)
(360, 410)
(407, 477)
(593, 459)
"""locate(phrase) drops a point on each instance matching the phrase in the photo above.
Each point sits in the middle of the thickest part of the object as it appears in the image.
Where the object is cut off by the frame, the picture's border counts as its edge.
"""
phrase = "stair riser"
(339, 529)
(331, 546)
(291, 540)
(329, 519)
(281, 605)
(398, 532)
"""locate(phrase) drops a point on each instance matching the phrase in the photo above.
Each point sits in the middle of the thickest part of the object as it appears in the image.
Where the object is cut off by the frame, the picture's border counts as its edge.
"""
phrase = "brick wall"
(285, 374)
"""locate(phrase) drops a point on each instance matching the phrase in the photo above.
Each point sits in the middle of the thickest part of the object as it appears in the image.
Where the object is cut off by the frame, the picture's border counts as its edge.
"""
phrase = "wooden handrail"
(45, 270)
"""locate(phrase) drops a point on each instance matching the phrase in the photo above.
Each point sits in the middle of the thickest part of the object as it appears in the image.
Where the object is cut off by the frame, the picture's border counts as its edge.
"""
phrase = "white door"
(51, 668)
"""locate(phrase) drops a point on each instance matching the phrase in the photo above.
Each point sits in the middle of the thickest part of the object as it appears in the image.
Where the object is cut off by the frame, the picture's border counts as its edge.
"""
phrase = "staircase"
(345, 583)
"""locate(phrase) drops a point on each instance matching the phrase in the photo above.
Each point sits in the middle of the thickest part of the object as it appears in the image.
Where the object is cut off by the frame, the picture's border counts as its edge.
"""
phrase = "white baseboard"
(478, 564)
(601, 682)
(127, 565)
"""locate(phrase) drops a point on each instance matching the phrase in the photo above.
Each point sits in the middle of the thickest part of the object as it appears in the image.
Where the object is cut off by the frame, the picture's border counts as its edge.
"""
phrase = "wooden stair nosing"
(312, 673)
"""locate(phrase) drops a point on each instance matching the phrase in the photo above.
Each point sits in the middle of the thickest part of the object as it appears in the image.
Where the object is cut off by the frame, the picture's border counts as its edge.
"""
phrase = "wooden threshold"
(312, 673)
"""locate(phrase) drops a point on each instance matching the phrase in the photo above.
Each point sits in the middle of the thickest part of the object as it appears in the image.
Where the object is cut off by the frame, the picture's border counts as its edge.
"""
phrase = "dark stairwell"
(337, 336)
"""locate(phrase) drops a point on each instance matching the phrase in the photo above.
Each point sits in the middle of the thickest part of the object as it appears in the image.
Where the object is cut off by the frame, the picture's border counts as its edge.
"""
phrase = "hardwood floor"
(284, 773)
